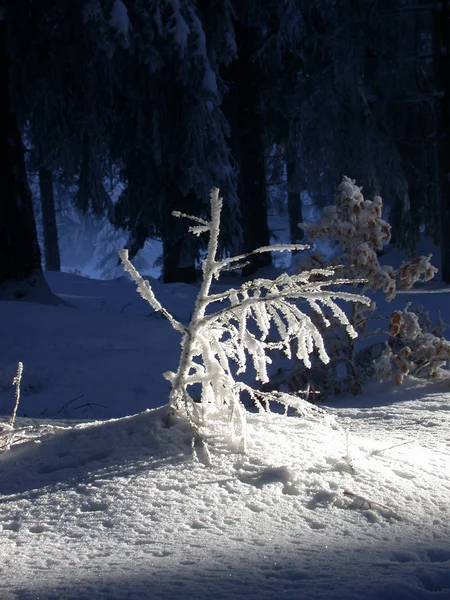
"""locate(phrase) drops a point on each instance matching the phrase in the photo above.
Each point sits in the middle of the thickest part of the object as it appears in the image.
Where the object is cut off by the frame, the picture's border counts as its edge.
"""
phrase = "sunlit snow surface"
(353, 505)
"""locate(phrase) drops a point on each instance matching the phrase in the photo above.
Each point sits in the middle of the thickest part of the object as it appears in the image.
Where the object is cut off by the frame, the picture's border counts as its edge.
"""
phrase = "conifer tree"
(171, 139)
(442, 59)
(51, 246)
(19, 249)
(61, 86)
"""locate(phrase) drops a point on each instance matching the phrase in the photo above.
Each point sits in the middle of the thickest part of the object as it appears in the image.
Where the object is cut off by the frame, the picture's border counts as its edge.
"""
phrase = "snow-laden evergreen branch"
(229, 329)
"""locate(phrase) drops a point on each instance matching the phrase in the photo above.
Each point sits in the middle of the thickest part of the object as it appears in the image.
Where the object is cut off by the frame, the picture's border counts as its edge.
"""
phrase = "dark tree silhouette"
(20, 256)
(51, 245)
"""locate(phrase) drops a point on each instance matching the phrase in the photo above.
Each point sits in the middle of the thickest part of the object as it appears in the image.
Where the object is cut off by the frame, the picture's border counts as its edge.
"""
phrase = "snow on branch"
(232, 329)
(145, 290)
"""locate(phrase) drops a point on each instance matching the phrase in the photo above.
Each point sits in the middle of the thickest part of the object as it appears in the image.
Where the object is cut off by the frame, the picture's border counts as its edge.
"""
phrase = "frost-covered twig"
(10, 436)
(16, 382)
(376, 452)
(348, 456)
(362, 503)
(225, 263)
(441, 291)
(146, 292)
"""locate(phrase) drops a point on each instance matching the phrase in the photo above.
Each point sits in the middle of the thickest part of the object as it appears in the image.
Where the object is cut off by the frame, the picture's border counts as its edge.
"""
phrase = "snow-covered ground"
(350, 505)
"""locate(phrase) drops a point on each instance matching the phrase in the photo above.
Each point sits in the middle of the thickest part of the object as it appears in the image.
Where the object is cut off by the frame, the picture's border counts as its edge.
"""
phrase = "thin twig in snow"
(376, 452)
(16, 382)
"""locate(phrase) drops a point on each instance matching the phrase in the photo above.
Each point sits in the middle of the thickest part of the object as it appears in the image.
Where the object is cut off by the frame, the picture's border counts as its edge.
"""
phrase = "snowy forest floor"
(98, 504)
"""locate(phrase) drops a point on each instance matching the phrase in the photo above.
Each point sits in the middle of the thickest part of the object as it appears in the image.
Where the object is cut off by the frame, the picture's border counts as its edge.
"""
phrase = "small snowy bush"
(416, 347)
(228, 329)
(355, 228)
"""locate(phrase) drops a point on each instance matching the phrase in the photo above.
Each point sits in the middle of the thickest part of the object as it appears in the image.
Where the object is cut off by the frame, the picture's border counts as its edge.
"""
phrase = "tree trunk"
(442, 41)
(241, 108)
(178, 242)
(51, 246)
(91, 191)
(19, 249)
(173, 268)
(294, 199)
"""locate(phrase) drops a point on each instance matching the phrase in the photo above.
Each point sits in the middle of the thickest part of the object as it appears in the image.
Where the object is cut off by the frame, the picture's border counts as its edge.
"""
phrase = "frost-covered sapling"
(355, 228)
(229, 328)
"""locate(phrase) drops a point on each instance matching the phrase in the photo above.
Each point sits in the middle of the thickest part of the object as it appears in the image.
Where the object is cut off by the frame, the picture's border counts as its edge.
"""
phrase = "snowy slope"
(352, 505)
(104, 360)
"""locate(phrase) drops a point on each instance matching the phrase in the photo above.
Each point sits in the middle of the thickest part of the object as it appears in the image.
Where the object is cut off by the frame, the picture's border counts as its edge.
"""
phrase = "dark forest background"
(172, 97)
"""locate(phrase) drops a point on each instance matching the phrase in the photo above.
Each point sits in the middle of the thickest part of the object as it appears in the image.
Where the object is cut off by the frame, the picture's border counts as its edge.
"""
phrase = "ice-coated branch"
(180, 215)
(277, 289)
(225, 262)
(145, 291)
(16, 383)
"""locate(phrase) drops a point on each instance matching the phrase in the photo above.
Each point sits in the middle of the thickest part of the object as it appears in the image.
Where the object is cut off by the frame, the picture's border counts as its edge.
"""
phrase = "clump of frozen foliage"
(229, 329)
(356, 229)
(416, 346)
(356, 226)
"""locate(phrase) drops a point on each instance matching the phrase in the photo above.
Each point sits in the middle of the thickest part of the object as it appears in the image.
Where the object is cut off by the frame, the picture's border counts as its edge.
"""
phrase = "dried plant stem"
(16, 382)
(391, 447)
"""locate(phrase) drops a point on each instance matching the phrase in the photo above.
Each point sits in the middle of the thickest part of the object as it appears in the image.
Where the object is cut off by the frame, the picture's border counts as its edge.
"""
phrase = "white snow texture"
(352, 504)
